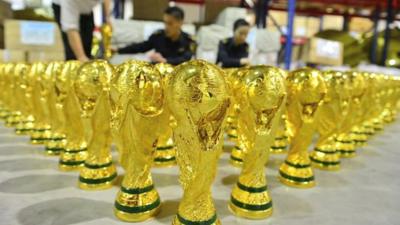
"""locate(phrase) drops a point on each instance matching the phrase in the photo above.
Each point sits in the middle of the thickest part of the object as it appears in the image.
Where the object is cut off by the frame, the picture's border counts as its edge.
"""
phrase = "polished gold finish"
(281, 139)
(74, 153)
(306, 90)
(138, 105)
(198, 99)
(106, 32)
(261, 99)
(92, 88)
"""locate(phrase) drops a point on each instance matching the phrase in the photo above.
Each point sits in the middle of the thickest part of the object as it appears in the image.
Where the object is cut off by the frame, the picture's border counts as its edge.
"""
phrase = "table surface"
(364, 191)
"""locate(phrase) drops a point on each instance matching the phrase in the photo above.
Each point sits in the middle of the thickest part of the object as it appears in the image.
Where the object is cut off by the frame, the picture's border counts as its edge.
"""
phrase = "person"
(171, 44)
(234, 51)
(75, 18)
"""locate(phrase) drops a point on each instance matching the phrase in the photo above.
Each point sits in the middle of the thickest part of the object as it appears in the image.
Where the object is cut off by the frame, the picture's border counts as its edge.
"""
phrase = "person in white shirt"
(75, 18)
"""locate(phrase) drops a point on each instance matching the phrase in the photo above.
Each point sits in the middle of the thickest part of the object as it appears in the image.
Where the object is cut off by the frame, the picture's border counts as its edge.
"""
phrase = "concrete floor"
(364, 192)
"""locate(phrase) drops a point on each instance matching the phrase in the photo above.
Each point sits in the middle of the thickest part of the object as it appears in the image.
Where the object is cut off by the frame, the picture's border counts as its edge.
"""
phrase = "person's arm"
(75, 41)
(138, 47)
(107, 11)
(70, 24)
(225, 59)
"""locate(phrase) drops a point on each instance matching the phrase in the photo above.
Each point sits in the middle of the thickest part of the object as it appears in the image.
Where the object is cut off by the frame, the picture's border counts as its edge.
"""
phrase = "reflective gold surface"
(198, 99)
(261, 100)
(306, 91)
(138, 104)
(92, 88)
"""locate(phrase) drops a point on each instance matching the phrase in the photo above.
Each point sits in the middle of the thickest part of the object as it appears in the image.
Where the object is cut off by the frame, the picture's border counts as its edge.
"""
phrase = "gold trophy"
(92, 88)
(165, 154)
(41, 132)
(306, 90)
(262, 99)
(234, 80)
(345, 144)
(56, 119)
(3, 95)
(332, 112)
(281, 139)
(12, 81)
(74, 153)
(23, 100)
(106, 32)
(137, 106)
(197, 97)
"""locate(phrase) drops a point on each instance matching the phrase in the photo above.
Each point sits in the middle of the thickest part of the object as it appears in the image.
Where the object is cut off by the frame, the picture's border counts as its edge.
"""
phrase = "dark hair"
(240, 23)
(175, 12)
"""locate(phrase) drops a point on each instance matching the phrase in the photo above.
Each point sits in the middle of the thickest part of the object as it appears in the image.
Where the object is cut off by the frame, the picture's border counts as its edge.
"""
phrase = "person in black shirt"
(234, 51)
(171, 45)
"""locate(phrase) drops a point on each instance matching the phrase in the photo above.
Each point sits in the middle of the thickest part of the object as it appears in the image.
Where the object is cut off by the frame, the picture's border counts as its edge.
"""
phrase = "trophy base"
(72, 159)
(55, 146)
(179, 220)
(97, 177)
(377, 126)
(165, 156)
(40, 136)
(236, 159)
(367, 129)
(347, 153)
(325, 159)
(4, 113)
(13, 119)
(359, 138)
(279, 146)
(243, 199)
(345, 147)
(145, 206)
(296, 175)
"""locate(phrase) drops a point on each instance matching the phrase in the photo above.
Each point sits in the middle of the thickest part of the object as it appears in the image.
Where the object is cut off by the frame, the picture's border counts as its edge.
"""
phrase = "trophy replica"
(261, 99)
(3, 95)
(74, 153)
(344, 141)
(197, 97)
(281, 139)
(41, 132)
(106, 32)
(14, 117)
(23, 100)
(165, 151)
(231, 118)
(331, 114)
(92, 88)
(137, 106)
(234, 86)
(306, 90)
(56, 120)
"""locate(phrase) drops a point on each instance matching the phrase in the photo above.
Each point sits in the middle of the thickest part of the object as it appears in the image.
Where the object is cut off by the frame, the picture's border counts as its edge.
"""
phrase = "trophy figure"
(56, 120)
(4, 94)
(331, 113)
(197, 97)
(74, 153)
(41, 132)
(23, 100)
(234, 85)
(12, 84)
(261, 99)
(106, 32)
(281, 139)
(344, 141)
(165, 154)
(137, 105)
(306, 90)
(92, 88)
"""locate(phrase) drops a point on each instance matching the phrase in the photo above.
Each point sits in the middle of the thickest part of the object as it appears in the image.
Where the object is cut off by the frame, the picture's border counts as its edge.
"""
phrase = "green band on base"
(137, 209)
(71, 163)
(100, 166)
(205, 222)
(296, 179)
(75, 150)
(298, 166)
(97, 181)
(251, 189)
(278, 148)
(232, 136)
(236, 159)
(250, 206)
(161, 148)
(325, 163)
(164, 159)
(324, 151)
(137, 191)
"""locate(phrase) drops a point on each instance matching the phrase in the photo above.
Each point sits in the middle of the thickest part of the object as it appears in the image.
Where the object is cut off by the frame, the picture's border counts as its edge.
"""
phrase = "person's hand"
(83, 58)
(157, 57)
(244, 61)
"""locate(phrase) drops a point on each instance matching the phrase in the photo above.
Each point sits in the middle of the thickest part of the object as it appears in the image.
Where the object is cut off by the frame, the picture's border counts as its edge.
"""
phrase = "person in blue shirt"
(234, 51)
(171, 44)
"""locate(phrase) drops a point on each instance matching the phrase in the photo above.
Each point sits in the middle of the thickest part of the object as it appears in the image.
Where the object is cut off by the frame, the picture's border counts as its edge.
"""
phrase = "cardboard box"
(149, 9)
(32, 36)
(325, 52)
(45, 56)
(12, 55)
(5, 11)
